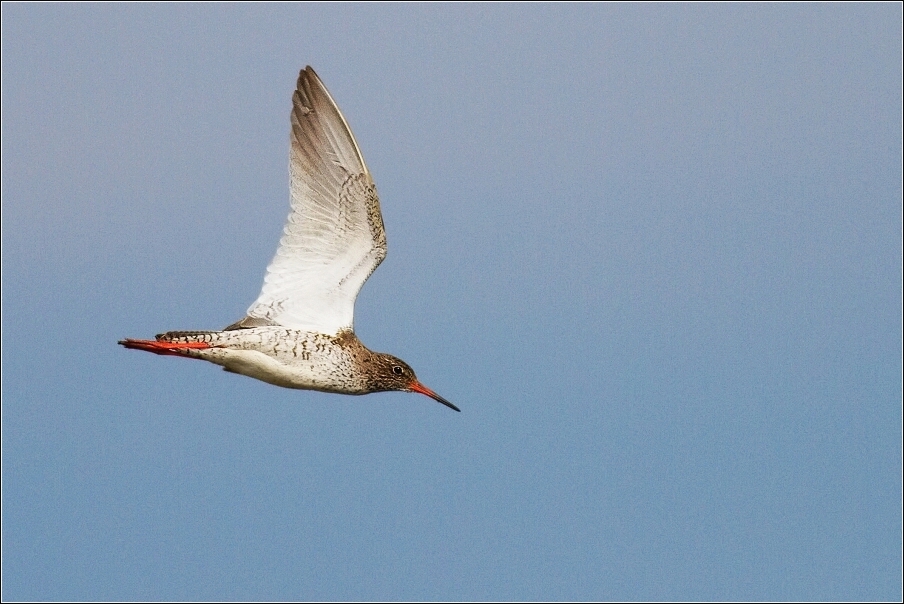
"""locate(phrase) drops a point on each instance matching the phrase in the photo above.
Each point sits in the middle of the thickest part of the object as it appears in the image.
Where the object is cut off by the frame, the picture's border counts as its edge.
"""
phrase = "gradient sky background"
(653, 253)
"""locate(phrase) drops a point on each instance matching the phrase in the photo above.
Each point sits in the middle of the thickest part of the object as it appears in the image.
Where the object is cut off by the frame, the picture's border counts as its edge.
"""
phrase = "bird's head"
(391, 373)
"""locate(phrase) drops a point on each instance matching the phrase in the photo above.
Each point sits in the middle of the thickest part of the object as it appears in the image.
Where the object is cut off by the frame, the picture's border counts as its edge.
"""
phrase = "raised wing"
(334, 237)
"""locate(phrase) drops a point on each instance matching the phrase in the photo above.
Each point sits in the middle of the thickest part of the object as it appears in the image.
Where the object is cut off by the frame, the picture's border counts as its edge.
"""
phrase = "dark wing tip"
(321, 135)
(307, 74)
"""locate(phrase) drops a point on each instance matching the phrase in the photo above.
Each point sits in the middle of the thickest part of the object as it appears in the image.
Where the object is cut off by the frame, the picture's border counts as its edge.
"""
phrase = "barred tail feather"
(187, 336)
(179, 349)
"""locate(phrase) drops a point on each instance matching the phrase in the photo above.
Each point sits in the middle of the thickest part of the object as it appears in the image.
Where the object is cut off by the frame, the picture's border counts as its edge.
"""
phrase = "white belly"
(312, 373)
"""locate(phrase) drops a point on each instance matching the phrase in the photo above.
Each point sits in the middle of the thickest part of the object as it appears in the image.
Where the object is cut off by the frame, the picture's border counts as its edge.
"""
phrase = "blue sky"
(653, 253)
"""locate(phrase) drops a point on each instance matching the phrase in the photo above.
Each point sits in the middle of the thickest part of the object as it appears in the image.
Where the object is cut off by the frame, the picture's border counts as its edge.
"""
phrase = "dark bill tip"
(420, 388)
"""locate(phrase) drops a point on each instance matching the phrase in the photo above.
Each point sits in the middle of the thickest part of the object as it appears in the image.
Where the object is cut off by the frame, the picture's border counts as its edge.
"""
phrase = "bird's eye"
(397, 370)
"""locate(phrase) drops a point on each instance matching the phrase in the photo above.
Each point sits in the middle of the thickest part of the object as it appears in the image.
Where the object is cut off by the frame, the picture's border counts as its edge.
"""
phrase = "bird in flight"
(299, 331)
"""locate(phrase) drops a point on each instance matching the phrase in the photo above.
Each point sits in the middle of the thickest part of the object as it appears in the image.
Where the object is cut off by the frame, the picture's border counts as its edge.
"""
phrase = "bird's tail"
(176, 343)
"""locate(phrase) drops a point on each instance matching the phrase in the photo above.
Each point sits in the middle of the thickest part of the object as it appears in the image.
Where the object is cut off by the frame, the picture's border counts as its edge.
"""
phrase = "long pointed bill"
(420, 388)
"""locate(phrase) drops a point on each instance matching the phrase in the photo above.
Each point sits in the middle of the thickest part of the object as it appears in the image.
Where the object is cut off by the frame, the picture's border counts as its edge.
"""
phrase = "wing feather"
(334, 236)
